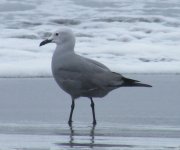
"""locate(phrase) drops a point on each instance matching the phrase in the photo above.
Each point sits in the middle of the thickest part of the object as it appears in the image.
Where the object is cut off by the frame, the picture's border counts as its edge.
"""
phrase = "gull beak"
(45, 42)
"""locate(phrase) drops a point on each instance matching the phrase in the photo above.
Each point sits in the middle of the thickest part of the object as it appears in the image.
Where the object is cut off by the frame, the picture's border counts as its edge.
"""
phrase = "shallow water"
(34, 114)
(83, 136)
(128, 36)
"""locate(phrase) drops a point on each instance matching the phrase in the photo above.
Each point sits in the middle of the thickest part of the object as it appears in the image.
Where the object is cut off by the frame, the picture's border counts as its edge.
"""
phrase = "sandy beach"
(34, 114)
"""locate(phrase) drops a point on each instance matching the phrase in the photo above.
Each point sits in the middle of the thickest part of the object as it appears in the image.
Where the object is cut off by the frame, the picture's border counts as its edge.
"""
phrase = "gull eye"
(56, 34)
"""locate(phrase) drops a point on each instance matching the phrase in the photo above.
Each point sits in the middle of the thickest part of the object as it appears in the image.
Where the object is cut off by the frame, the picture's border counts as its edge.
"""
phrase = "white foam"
(128, 37)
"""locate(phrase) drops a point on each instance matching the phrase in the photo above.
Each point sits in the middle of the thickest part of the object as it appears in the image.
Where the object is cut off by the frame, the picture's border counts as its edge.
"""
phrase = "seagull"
(80, 76)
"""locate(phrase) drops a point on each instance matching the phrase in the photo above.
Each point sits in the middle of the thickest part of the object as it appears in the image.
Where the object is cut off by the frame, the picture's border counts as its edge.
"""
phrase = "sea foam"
(128, 37)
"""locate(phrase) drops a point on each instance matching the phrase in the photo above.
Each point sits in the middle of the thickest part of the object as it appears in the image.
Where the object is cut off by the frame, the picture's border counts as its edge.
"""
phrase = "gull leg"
(93, 111)
(71, 113)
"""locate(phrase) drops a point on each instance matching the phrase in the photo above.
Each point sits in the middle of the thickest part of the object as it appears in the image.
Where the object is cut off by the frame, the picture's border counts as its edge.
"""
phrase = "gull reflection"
(75, 134)
(92, 136)
(71, 141)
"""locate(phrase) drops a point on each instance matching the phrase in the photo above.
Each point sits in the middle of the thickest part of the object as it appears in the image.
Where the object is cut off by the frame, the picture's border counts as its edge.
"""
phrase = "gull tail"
(136, 83)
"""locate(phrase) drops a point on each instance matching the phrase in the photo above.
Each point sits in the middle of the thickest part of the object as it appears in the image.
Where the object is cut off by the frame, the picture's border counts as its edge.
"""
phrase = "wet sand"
(34, 114)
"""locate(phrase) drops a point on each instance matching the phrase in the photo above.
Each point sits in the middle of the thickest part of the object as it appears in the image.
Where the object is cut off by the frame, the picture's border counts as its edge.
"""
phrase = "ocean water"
(129, 36)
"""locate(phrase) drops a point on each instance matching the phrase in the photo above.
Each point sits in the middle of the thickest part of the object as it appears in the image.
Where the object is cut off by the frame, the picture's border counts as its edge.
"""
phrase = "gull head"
(61, 36)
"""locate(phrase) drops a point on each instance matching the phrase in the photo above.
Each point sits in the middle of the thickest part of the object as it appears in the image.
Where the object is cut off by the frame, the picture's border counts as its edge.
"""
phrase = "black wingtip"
(132, 82)
(142, 85)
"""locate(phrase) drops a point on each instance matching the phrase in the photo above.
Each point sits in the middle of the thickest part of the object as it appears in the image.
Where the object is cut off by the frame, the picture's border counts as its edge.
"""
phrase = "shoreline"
(124, 74)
